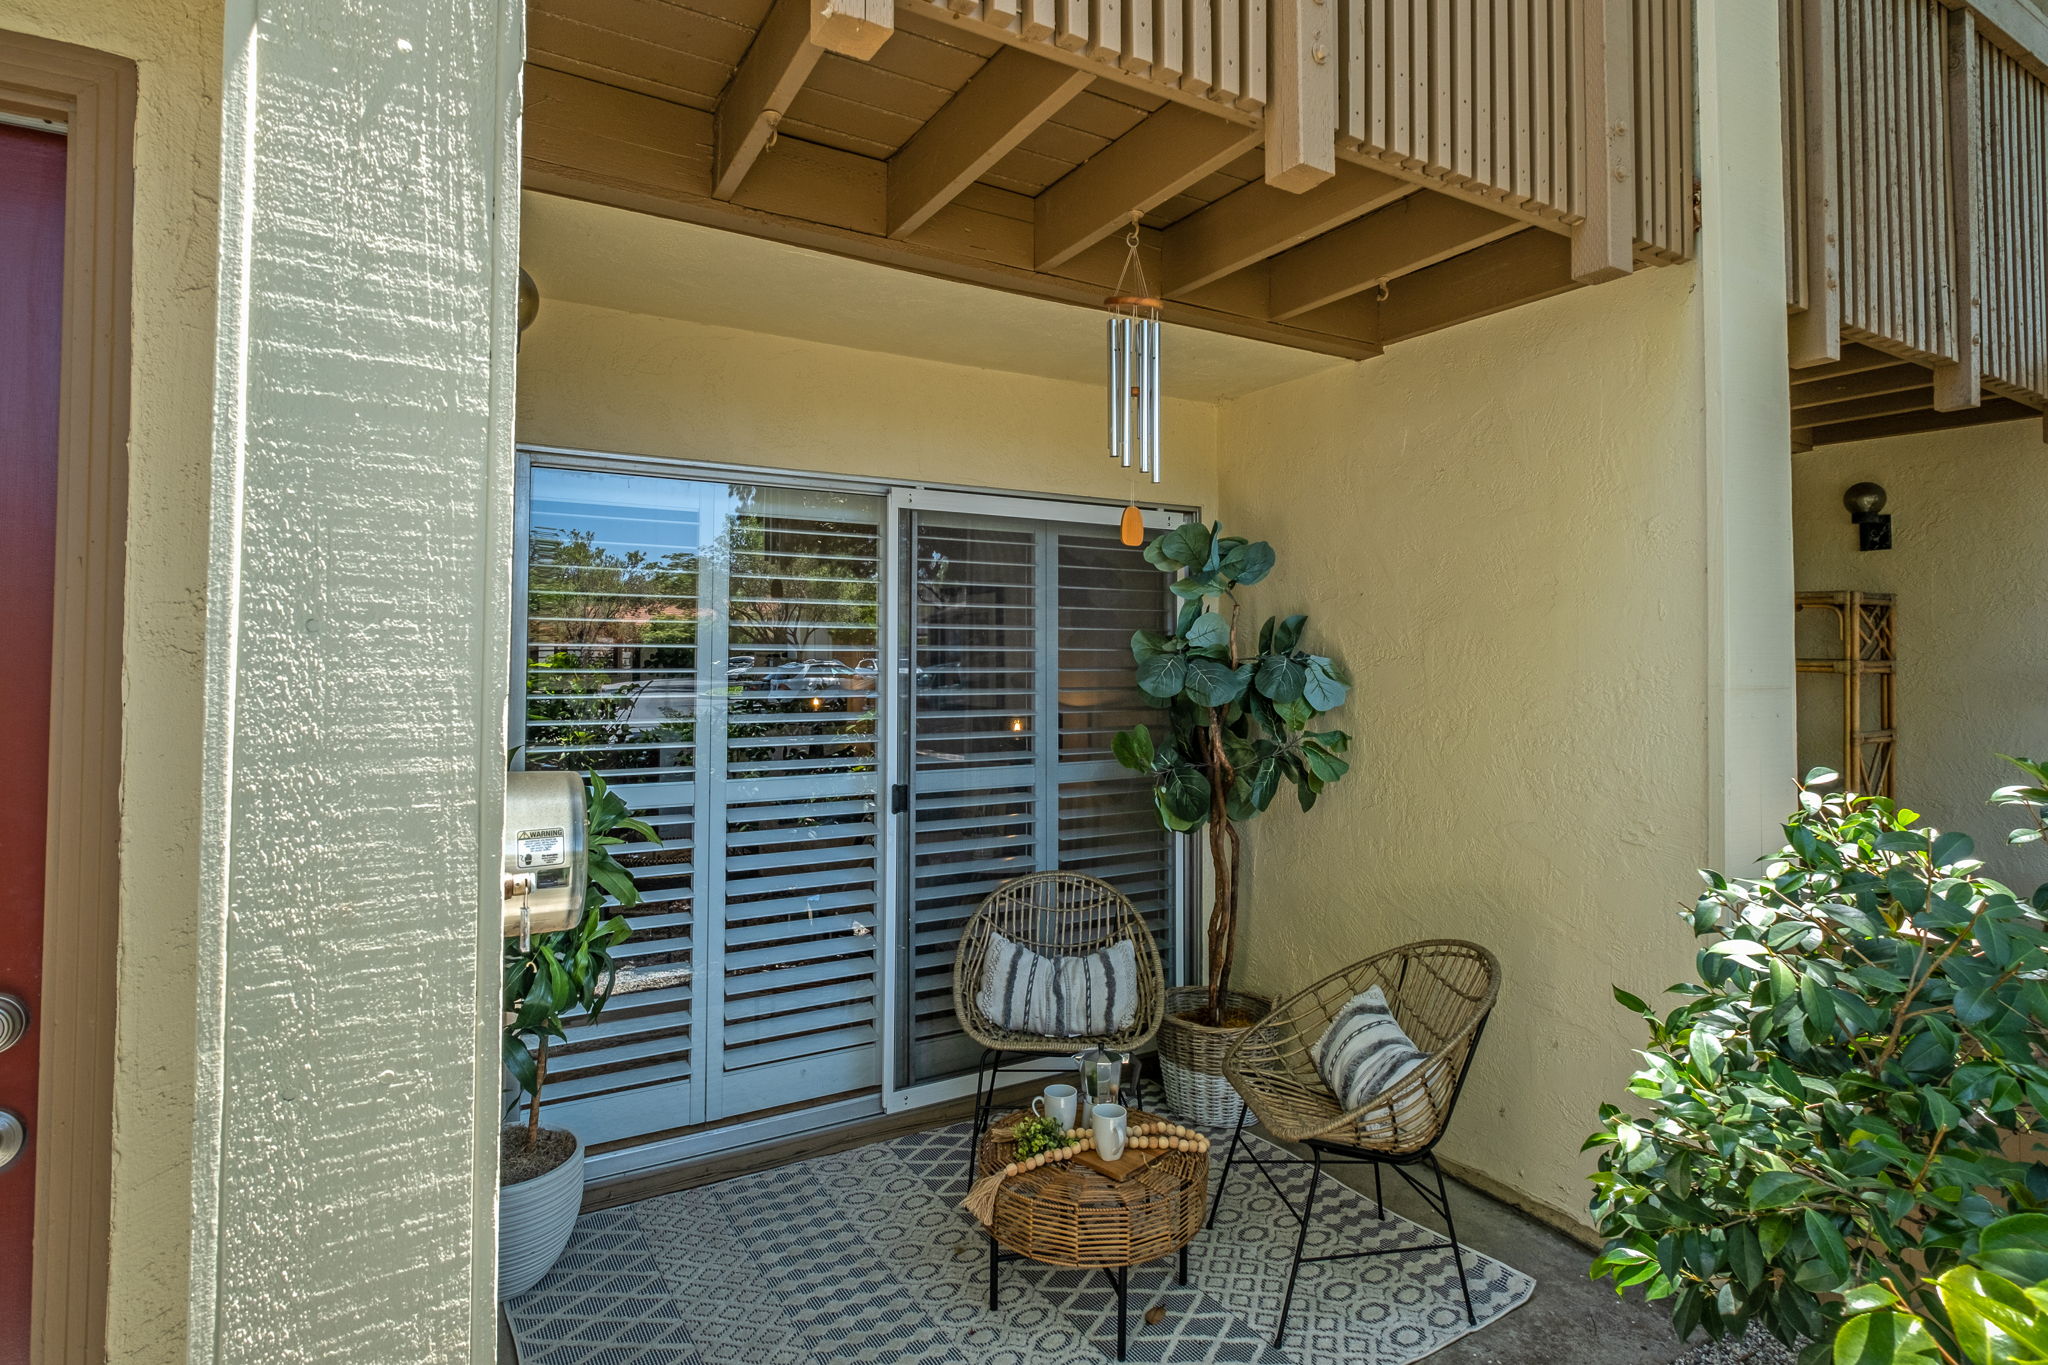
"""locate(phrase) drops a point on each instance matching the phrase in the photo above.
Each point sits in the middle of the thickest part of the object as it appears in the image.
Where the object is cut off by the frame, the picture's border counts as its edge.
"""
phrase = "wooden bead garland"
(981, 1200)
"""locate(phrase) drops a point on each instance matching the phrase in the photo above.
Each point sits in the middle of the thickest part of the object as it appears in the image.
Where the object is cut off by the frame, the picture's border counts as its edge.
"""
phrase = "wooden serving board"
(1130, 1163)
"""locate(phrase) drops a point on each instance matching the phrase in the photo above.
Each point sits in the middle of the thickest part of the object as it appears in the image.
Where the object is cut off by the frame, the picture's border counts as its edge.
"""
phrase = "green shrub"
(1834, 1130)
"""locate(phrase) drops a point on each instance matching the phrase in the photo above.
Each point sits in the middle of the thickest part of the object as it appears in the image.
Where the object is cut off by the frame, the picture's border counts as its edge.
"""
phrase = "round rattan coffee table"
(1067, 1214)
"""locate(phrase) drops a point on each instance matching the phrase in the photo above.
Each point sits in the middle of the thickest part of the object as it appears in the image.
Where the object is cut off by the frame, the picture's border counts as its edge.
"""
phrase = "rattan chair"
(1056, 914)
(1441, 992)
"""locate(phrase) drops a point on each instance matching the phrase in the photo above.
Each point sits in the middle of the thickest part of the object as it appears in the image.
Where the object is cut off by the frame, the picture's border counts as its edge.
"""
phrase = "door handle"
(13, 1137)
(13, 1020)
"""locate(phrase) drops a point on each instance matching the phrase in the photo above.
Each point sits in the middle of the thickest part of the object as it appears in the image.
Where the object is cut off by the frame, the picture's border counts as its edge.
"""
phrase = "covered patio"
(813, 278)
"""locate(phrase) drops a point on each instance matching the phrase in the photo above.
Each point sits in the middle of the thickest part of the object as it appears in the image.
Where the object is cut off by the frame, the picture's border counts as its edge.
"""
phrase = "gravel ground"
(1758, 1348)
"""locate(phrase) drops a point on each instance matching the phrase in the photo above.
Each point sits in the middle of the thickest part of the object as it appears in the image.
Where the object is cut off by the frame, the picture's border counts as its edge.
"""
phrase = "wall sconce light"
(1865, 502)
(529, 300)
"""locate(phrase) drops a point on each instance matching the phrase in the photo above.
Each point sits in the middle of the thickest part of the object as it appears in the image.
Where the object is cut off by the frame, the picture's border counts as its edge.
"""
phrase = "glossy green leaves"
(557, 974)
(1822, 1136)
(1239, 722)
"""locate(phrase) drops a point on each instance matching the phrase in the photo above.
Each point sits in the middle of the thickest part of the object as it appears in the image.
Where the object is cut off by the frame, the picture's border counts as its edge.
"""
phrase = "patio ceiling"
(575, 252)
(969, 147)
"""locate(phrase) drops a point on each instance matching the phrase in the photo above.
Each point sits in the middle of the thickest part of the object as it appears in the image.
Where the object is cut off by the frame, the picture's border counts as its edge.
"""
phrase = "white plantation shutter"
(1022, 673)
(701, 646)
(715, 651)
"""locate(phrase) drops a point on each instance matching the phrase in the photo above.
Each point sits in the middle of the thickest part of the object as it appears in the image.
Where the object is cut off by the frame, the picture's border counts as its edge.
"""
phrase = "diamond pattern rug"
(865, 1258)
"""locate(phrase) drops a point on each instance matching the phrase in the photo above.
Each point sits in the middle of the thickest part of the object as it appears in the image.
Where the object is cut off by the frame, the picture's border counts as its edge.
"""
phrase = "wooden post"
(1301, 120)
(1603, 246)
(1960, 384)
(1816, 334)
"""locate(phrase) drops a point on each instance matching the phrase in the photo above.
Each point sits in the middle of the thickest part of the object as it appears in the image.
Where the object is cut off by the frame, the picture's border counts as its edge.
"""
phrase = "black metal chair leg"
(1236, 1136)
(1308, 1210)
(1120, 1281)
(994, 1256)
(1379, 1203)
(1181, 1278)
(1457, 1252)
(985, 1075)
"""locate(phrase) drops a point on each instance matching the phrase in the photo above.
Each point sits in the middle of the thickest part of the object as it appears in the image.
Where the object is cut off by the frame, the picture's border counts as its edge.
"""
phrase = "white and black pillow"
(1364, 1052)
(1072, 995)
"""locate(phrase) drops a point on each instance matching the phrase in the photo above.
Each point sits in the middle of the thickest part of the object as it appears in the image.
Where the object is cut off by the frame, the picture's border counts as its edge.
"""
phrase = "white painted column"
(1750, 701)
(357, 655)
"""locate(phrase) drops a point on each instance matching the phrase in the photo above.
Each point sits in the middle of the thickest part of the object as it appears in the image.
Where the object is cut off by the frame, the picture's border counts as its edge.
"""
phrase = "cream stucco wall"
(629, 383)
(1499, 531)
(177, 50)
(1966, 564)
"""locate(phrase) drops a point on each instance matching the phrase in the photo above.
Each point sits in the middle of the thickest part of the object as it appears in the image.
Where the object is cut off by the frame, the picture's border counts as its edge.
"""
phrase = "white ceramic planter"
(535, 1218)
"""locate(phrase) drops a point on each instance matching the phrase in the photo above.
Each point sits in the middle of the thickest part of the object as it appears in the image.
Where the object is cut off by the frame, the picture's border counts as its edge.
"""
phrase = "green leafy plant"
(1238, 724)
(1036, 1133)
(1836, 1128)
(555, 974)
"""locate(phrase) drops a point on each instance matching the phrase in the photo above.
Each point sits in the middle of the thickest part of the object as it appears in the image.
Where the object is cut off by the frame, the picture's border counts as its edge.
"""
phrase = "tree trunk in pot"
(1191, 1053)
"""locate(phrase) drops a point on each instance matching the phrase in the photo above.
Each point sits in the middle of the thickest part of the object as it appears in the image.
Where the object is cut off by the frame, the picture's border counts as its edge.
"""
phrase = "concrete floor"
(1569, 1320)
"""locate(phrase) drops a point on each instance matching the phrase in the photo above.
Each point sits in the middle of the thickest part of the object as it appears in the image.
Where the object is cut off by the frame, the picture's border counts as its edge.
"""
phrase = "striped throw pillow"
(1364, 1052)
(1074, 995)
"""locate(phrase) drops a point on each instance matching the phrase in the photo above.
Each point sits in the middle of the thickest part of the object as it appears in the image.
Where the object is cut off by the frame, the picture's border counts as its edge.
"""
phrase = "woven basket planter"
(1191, 1055)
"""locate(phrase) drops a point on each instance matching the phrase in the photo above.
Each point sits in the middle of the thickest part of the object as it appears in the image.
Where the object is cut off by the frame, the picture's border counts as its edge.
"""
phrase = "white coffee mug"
(1112, 1126)
(1057, 1103)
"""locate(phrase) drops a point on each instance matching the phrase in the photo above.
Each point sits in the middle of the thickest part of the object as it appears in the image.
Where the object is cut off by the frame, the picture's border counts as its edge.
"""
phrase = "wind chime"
(1134, 381)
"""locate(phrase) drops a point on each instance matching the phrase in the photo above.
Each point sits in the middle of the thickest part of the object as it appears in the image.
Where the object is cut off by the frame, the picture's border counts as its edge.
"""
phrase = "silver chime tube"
(1135, 393)
(1119, 388)
(1151, 396)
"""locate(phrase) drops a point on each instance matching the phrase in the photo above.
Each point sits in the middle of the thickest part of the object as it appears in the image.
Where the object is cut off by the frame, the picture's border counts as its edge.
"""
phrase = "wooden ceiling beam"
(776, 66)
(1856, 409)
(1896, 377)
(604, 145)
(1409, 235)
(1993, 410)
(853, 28)
(1532, 264)
(1163, 156)
(1856, 358)
(1250, 224)
(1004, 103)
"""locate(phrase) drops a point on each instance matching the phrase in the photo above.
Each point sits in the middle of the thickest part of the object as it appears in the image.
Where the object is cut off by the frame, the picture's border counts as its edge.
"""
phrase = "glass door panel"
(711, 649)
(1020, 639)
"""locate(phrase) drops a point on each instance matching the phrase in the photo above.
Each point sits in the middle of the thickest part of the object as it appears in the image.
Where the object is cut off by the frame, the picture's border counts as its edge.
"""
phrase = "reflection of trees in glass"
(619, 623)
(805, 607)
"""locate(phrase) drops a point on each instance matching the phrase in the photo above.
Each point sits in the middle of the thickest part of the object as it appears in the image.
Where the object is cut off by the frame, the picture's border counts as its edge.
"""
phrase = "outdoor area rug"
(865, 1258)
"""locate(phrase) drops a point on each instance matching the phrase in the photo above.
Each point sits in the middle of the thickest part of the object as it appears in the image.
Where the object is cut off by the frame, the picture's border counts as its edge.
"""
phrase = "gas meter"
(546, 858)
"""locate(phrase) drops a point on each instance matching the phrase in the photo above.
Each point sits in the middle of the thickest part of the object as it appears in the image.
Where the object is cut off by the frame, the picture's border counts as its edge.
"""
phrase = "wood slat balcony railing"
(1917, 223)
(1334, 174)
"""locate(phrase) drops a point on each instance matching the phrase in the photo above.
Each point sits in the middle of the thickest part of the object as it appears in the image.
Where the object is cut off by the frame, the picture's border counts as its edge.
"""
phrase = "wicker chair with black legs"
(1439, 993)
(1060, 916)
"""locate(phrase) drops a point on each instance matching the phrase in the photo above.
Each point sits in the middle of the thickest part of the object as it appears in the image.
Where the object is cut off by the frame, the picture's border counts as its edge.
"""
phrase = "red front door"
(31, 300)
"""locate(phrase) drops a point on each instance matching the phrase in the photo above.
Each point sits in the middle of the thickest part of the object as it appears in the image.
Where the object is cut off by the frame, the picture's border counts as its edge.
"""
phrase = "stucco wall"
(1966, 563)
(177, 51)
(1499, 532)
(598, 379)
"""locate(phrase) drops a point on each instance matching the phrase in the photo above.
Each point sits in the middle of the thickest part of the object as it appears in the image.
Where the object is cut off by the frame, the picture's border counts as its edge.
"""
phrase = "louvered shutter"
(1022, 672)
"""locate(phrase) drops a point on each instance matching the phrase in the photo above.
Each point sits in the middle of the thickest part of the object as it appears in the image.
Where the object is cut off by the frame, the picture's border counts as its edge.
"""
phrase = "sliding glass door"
(848, 720)
(1020, 643)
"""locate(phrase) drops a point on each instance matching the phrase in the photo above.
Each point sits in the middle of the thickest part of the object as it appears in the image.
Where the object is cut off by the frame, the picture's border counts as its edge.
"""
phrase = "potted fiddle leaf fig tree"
(540, 1170)
(1238, 724)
